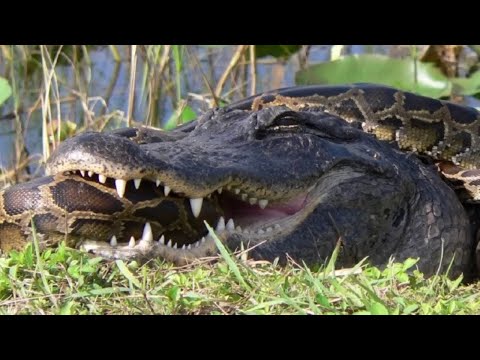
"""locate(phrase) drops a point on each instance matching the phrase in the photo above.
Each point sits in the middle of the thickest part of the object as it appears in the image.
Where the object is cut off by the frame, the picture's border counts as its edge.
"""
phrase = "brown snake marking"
(55, 209)
(444, 131)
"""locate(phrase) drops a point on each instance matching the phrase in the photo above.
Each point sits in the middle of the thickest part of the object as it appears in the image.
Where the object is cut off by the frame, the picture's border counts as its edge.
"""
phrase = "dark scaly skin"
(380, 202)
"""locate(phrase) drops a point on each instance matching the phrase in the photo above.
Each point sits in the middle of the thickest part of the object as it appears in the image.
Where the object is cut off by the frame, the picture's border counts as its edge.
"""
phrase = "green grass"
(66, 281)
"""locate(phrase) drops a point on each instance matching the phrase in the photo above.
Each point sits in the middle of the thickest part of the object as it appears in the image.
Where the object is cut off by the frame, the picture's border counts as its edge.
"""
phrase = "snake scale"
(444, 131)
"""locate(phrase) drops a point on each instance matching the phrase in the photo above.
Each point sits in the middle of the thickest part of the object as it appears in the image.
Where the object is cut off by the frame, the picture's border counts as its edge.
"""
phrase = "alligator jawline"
(241, 215)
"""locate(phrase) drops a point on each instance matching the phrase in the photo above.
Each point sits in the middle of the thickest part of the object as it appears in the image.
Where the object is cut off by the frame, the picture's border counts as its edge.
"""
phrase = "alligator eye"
(286, 119)
(286, 122)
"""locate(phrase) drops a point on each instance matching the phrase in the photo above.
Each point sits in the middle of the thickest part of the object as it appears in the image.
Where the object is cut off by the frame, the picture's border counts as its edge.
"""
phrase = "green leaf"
(454, 284)
(5, 90)
(373, 272)
(174, 293)
(66, 309)
(108, 291)
(187, 114)
(125, 272)
(277, 51)
(407, 264)
(322, 300)
(467, 86)
(410, 308)
(402, 277)
(377, 308)
(405, 74)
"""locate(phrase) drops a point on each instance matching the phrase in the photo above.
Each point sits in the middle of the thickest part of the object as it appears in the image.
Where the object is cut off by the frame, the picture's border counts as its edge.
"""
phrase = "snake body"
(448, 133)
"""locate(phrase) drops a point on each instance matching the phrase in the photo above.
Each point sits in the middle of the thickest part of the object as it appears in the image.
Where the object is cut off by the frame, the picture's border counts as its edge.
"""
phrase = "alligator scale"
(287, 172)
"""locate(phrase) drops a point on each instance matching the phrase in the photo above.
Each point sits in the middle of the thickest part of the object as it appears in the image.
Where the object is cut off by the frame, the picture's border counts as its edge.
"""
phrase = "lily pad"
(406, 74)
(5, 90)
(183, 115)
(468, 86)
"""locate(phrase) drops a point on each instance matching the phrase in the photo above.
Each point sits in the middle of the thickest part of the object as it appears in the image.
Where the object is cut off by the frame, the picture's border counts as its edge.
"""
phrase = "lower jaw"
(252, 229)
(238, 217)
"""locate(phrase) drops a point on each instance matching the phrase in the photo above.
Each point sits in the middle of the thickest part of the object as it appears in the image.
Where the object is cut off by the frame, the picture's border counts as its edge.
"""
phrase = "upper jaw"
(154, 244)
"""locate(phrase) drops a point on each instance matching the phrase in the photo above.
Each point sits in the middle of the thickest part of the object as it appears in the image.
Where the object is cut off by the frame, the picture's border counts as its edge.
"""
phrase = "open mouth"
(174, 221)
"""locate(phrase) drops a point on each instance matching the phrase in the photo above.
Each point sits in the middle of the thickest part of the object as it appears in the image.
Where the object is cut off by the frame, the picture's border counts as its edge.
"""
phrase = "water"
(105, 87)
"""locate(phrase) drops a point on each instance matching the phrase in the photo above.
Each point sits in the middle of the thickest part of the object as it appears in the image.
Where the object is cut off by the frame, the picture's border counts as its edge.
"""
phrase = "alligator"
(288, 174)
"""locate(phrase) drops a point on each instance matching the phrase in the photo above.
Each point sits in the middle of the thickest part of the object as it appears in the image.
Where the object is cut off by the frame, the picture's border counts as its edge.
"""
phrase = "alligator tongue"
(245, 214)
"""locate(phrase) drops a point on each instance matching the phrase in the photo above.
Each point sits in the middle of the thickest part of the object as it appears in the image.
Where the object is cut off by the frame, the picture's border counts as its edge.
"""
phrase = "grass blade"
(125, 272)
(228, 258)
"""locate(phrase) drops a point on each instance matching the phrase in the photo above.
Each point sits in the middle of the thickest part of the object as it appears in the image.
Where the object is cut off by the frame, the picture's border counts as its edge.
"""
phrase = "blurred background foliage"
(48, 93)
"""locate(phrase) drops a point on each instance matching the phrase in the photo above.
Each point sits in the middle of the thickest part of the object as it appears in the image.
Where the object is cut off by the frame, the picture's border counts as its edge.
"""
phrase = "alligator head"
(286, 183)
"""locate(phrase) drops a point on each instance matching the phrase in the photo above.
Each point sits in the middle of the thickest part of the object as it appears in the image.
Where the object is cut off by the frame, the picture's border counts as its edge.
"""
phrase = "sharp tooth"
(102, 178)
(162, 240)
(90, 173)
(131, 243)
(166, 190)
(260, 232)
(237, 191)
(120, 185)
(189, 247)
(113, 241)
(175, 246)
(82, 172)
(169, 244)
(252, 201)
(277, 226)
(268, 229)
(203, 240)
(229, 187)
(184, 247)
(219, 190)
(157, 182)
(230, 225)
(196, 205)
(262, 203)
(209, 238)
(244, 197)
(220, 225)
(246, 231)
(239, 229)
(137, 182)
(147, 233)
